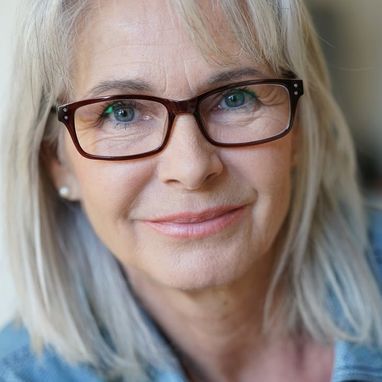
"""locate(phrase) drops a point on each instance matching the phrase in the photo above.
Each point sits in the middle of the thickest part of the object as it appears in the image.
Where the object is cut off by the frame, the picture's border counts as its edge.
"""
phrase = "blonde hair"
(57, 261)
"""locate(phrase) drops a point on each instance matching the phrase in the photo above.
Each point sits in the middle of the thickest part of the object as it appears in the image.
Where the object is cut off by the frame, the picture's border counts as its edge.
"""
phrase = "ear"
(61, 173)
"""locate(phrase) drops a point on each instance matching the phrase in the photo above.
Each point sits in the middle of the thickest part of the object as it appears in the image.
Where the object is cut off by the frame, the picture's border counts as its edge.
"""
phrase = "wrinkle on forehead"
(146, 40)
(134, 30)
(137, 19)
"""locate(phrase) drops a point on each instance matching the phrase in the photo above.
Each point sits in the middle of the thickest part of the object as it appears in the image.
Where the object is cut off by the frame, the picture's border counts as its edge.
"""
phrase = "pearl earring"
(64, 192)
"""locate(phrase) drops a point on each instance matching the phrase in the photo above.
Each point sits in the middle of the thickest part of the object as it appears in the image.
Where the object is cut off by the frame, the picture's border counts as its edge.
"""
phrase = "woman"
(185, 205)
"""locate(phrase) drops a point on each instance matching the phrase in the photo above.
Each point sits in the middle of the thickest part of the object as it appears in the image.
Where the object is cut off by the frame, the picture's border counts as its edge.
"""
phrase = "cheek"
(266, 170)
(109, 190)
(112, 189)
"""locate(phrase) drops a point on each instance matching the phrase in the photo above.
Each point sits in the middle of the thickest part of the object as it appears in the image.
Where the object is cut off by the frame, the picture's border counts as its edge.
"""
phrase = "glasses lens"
(246, 114)
(121, 127)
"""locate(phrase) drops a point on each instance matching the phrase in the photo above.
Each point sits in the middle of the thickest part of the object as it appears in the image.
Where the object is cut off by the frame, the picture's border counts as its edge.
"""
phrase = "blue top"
(18, 364)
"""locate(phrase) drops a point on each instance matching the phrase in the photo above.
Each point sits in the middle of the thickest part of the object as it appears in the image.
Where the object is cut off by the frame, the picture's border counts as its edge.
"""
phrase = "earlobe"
(64, 180)
(62, 176)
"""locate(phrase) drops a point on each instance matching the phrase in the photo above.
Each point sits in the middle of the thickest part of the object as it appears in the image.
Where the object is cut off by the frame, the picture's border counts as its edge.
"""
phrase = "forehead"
(143, 21)
(154, 22)
(148, 40)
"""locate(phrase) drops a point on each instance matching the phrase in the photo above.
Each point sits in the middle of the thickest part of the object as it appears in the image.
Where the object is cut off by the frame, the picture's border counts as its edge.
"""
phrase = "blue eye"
(237, 98)
(121, 113)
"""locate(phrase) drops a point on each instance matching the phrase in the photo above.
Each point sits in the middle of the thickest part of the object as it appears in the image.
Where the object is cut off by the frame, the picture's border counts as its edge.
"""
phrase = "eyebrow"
(128, 86)
(125, 86)
(233, 75)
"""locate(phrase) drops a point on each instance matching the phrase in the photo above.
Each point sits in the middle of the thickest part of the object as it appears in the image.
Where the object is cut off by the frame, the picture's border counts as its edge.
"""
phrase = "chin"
(201, 269)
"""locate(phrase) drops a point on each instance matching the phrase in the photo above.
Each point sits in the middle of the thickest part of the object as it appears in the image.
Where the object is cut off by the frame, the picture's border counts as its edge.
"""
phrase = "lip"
(189, 225)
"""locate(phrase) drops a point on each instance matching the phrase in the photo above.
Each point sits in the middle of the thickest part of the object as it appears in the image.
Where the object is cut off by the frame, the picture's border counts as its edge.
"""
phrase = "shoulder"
(18, 363)
(13, 338)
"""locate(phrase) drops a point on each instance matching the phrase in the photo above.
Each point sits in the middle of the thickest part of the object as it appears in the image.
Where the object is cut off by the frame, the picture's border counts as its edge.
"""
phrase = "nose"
(188, 161)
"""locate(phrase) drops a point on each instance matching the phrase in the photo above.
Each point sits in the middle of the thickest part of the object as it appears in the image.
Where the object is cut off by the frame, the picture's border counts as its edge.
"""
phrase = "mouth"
(189, 225)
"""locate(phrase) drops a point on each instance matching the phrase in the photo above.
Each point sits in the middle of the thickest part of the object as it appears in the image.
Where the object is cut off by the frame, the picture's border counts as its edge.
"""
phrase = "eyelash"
(245, 90)
(113, 103)
(102, 116)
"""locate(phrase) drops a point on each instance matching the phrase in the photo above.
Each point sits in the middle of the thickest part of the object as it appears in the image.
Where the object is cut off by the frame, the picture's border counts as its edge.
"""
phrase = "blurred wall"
(351, 36)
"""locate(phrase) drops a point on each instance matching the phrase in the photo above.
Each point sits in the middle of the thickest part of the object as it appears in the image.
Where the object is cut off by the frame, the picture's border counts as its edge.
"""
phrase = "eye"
(120, 112)
(237, 98)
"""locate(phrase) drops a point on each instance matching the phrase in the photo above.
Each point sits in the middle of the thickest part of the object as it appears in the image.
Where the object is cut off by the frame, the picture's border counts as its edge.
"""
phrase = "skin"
(213, 288)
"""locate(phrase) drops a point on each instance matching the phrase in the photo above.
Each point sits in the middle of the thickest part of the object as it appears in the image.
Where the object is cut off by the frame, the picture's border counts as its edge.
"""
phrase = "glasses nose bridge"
(184, 107)
(189, 106)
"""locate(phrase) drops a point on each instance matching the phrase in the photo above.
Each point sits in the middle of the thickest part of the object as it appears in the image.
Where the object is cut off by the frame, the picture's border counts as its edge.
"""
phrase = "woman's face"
(194, 215)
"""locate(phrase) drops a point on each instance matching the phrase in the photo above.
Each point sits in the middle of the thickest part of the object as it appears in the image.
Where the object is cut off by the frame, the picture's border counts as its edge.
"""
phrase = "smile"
(197, 225)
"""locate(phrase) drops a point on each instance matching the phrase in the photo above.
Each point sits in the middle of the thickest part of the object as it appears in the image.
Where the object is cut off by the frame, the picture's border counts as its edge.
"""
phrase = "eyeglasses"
(122, 127)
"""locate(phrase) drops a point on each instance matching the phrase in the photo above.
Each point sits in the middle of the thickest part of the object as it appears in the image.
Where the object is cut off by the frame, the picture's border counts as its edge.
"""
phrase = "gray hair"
(57, 260)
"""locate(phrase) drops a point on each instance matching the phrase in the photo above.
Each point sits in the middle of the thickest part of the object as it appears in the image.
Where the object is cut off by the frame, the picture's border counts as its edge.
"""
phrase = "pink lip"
(197, 225)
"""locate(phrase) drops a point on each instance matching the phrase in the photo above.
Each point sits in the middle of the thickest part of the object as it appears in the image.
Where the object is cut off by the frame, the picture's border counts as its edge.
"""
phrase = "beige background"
(350, 31)
(351, 35)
